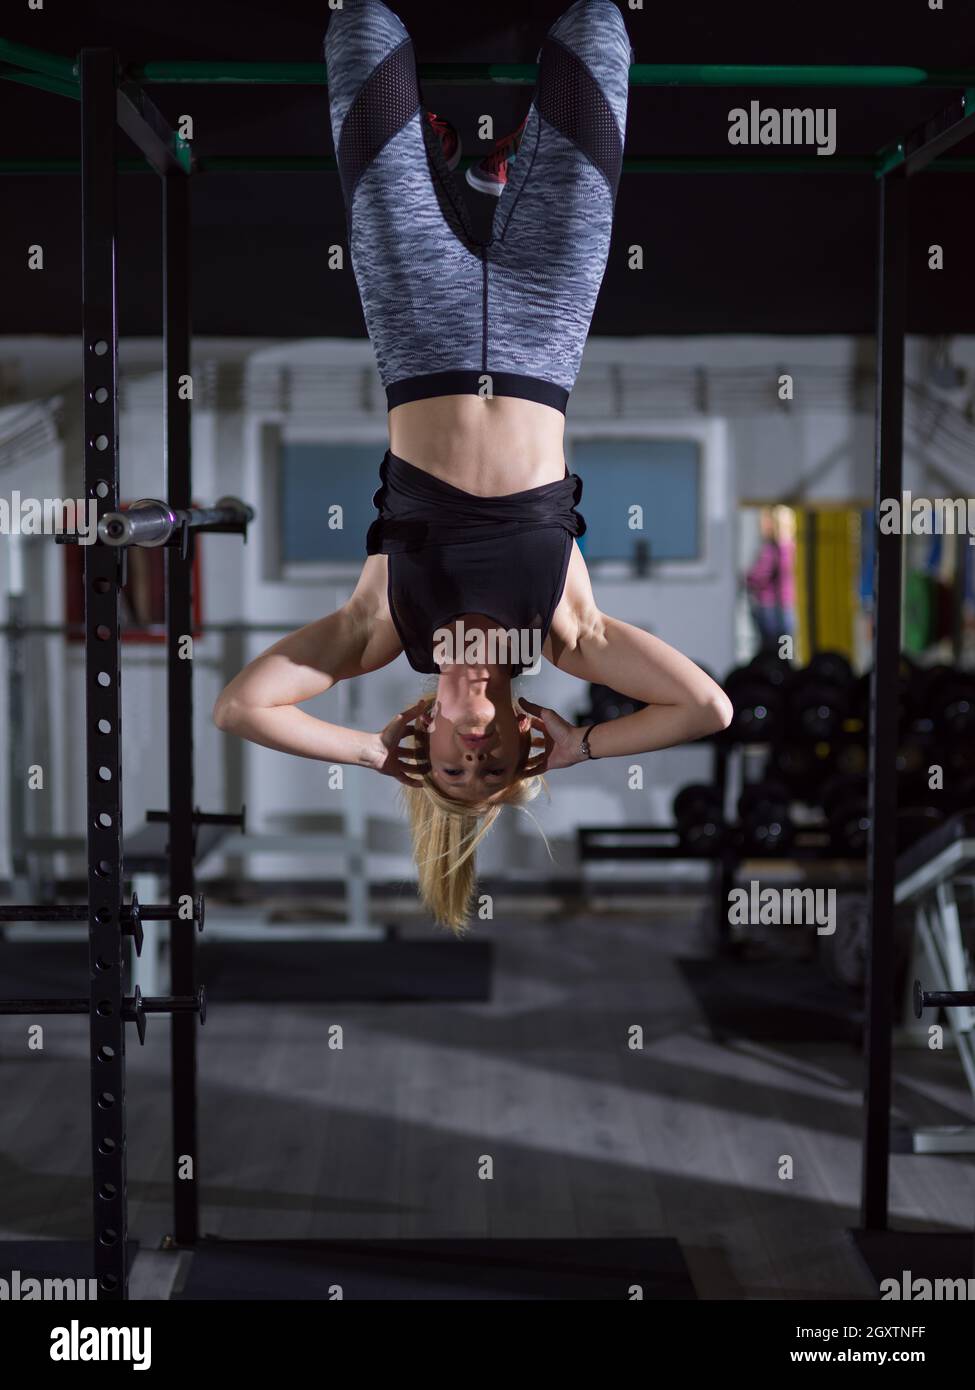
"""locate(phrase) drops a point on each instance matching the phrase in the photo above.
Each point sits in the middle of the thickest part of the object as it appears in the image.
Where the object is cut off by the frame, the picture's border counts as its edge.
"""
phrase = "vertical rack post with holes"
(103, 577)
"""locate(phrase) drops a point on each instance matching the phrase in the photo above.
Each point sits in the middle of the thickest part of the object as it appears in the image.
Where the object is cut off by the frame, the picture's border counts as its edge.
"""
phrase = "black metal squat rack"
(107, 103)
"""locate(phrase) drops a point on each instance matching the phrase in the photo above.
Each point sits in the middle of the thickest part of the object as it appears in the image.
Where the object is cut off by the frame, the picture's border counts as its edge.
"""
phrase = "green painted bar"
(641, 74)
(316, 164)
(297, 74)
(782, 75)
(35, 60)
(40, 80)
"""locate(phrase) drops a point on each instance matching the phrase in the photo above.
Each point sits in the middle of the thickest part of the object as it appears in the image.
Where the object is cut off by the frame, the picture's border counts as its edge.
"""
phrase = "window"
(325, 505)
(662, 477)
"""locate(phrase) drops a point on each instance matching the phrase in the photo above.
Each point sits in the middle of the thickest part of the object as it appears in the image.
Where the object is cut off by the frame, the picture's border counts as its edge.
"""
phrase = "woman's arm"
(683, 701)
(260, 704)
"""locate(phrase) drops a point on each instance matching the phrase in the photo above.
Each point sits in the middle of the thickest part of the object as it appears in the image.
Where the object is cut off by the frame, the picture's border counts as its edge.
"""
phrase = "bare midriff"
(487, 446)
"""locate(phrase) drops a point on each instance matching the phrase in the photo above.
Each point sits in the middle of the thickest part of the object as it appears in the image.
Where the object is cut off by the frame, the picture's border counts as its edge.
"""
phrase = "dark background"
(726, 254)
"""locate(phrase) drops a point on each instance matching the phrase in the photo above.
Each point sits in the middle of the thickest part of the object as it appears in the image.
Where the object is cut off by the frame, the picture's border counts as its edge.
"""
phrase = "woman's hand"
(407, 765)
(556, 742)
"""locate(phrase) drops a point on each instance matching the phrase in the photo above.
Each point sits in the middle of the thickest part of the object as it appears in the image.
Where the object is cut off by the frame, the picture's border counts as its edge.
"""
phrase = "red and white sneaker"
(449, 139)
(491, 174)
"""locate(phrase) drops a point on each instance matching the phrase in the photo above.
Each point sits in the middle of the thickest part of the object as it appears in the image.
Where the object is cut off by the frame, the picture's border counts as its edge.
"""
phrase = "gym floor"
(590, 1135)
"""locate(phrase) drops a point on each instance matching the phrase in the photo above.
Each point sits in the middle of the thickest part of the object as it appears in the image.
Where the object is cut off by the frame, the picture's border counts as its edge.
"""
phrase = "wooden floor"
(587, 1135)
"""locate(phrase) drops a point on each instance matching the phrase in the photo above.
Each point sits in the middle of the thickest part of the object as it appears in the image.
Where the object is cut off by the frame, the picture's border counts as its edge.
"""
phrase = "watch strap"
(585, 741)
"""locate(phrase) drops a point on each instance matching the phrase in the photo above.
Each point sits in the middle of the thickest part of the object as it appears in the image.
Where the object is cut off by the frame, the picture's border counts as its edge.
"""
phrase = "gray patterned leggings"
(445, 310)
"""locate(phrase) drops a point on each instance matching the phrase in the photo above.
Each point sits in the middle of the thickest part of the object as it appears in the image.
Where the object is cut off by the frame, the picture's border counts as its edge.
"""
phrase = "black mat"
(277, 971)
(438, 1269)
(315, 971)
(921, 1254)
(773, 1001)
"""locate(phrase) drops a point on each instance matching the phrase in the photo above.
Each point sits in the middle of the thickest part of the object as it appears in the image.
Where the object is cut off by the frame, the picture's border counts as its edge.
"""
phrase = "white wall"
(820, 446)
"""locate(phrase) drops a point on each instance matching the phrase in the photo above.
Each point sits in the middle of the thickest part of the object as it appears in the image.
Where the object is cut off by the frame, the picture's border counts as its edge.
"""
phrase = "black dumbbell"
(817, 708)
(757, 707)
(844, 800)
(701, 824)
(763, 809)
(910, 681)
(849, 757)
(949, 702)
(770, 669)
(801, 767)
(831, 668)
(606, 704)
(847, 807)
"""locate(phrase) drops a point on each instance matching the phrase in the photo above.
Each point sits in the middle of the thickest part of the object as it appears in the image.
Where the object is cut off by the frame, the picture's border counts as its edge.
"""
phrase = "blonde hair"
(784, 522)
(446, 834)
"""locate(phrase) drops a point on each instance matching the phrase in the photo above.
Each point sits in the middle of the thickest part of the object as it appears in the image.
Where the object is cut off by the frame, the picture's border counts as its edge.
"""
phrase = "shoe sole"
(492, 187)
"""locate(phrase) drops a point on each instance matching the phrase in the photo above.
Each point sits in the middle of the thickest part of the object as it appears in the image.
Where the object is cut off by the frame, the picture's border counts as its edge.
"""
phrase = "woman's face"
(477, 744)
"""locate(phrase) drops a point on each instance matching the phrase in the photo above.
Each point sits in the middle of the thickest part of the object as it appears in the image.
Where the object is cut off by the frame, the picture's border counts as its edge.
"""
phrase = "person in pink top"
(771, 580)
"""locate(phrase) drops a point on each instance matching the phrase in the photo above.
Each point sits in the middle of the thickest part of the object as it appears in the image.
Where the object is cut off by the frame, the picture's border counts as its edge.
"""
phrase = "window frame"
(291, 432)
(711, 438)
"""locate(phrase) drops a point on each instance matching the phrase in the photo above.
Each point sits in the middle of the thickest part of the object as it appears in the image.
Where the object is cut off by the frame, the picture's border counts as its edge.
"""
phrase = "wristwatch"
(584, 748)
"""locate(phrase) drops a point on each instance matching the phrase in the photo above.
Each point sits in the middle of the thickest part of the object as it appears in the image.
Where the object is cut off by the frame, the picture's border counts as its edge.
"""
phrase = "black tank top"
(451, 552)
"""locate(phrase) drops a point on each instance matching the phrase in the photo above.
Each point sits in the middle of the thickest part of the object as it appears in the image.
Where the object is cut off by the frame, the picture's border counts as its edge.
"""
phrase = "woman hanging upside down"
(472, 565)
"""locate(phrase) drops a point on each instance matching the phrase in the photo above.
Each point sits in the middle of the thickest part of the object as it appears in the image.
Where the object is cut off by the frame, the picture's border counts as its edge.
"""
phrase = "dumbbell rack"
(665, 842)
(646, 842)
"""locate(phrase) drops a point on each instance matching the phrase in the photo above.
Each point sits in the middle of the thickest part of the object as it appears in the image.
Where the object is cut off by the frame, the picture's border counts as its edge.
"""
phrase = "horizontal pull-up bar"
(525, 74)
(681, 164)
(65, 70)
(641, 74)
